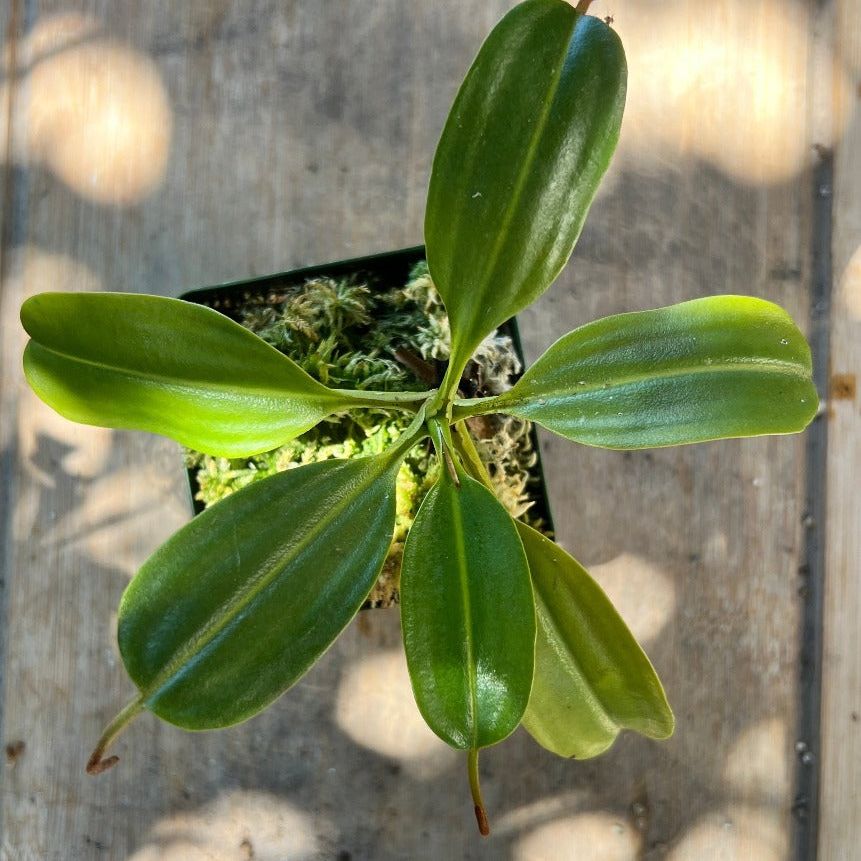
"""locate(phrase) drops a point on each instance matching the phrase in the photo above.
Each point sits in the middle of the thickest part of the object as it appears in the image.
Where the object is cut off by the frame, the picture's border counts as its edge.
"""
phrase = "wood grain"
(840, 776)
(300, 132)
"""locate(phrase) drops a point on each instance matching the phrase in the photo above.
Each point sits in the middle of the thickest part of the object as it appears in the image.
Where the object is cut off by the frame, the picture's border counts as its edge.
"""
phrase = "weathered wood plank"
(303, 132)
(702, 544)
(8, 30)
(840, 777)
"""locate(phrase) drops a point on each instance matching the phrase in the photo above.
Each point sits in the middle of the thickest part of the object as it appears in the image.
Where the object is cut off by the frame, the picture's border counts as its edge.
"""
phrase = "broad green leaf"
(726, 366)
(467, 614)
(527, 141)
(592, 679)
(235, 607)
(170, 367)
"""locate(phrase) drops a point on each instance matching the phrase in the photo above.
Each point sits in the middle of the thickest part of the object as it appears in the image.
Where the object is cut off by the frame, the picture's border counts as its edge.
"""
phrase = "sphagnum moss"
(349, 333)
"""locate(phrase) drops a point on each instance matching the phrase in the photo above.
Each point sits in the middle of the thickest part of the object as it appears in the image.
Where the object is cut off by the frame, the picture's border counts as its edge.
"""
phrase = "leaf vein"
(469, 635)
(178, 383)
(195, 645)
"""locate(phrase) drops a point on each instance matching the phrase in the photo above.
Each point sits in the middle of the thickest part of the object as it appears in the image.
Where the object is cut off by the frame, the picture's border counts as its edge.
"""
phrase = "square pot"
(383, 271)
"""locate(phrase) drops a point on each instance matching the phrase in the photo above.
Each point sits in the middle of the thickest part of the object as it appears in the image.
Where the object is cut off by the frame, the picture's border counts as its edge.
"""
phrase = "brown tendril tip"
(480, 812)
(97, 765)
(425, 371)
(483, 824)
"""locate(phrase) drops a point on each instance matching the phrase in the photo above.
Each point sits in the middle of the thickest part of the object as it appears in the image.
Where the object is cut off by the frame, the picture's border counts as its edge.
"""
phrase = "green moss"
(354, 335)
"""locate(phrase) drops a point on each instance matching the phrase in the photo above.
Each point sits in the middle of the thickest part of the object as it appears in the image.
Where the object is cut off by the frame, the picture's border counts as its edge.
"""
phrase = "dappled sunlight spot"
(715, 548)
(236, 825)
(724, 84)
(121, 516)
(124, 515)
(552, 807)
(849, 292)
(50, 34)
(100, 119)
(97, 112)
(626, 579)
(78, 451)
(54, 33)
(739, 834)
(376, 708)
(586, 837)
(758, 765)
(846, 36)
(31, 270)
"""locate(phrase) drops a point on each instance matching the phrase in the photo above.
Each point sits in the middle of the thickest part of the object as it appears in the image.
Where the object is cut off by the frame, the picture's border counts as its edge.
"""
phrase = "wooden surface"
(840, 825)
(155, 147)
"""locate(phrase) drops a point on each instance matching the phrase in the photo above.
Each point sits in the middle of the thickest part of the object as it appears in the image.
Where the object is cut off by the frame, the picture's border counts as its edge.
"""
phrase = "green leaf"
(726, 366)
(170, 367)
(467, 614)
(592, 679)
(527, 141)
(235, 607)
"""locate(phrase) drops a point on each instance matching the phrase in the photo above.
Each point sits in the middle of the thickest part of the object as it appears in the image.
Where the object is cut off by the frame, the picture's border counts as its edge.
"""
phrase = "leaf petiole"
(465, 408)
(441, 436)
(397, 400)
(416, 431)
(475, 787)
(470, 456)
(447, 392)
(97, 763)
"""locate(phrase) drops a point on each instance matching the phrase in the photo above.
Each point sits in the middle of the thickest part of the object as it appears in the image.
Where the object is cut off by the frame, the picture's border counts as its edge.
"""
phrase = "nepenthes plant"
(501, 626)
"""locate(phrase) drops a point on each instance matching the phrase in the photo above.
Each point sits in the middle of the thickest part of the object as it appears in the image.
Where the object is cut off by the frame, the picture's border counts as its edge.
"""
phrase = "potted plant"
(500, 625)
(375, 322)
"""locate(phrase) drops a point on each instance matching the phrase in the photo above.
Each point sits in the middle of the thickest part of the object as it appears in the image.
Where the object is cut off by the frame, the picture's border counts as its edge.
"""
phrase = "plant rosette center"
(358, 333)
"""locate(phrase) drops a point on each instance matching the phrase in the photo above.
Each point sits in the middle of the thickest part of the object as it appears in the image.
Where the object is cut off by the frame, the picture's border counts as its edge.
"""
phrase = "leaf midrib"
(244, 597)
(779, 367)
(469, 637)
(192, 383)
(571, 662)
(492, 259)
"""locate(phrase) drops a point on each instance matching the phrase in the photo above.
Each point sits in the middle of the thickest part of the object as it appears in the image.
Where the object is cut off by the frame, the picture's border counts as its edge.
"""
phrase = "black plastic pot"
(383, 270)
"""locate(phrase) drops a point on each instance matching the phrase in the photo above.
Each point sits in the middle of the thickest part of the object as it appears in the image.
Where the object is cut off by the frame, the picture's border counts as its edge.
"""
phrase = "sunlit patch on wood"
(737, 833)
(849, 290)
(376, 708)
(759, 764)
(727, 83)
(236, 825)
(627, 579)
(586, 836)
(97, 113)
